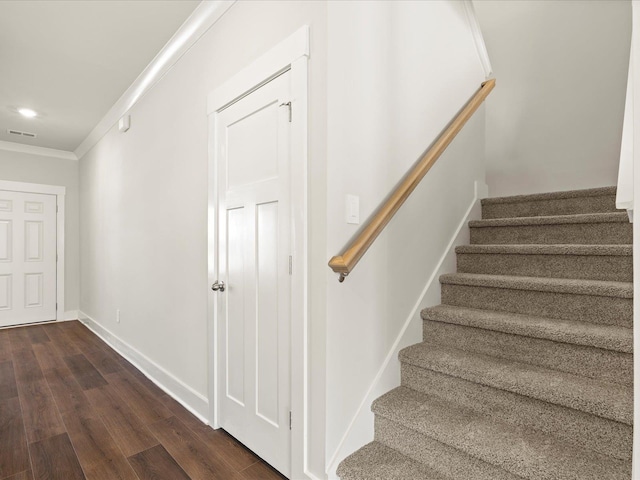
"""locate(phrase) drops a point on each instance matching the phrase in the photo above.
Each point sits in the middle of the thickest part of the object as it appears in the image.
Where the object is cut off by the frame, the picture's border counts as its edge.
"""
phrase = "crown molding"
(478, 38)
(34, 150)
(203, 17)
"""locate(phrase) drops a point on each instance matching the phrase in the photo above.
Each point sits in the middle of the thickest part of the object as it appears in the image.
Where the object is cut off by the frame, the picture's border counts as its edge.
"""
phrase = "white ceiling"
(71, 60)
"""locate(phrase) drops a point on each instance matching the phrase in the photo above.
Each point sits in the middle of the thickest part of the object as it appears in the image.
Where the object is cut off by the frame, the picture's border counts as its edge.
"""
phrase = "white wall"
(554, 121)
(29, 168)
(144, 204)
(386, 77)
(398, 73)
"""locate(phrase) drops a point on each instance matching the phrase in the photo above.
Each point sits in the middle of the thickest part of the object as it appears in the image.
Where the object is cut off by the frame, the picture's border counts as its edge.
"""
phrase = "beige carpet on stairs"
(526, 368)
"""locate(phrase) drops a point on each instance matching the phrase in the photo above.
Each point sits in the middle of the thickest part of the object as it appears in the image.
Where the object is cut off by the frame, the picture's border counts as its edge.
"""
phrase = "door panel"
(242, 167)
(5, 292)
(267, 312)
(33, 241)
(33, 290)
(235, 350)
(6, 205)
(6, 239)
(27, 258)
(254, 238)
(33, 207)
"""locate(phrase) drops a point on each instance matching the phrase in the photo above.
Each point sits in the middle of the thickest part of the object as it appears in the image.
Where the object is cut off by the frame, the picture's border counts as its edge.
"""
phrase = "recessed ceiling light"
(27, 112)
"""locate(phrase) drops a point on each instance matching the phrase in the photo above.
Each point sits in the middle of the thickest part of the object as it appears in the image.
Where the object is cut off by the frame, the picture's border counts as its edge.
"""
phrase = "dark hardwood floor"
(72, 408)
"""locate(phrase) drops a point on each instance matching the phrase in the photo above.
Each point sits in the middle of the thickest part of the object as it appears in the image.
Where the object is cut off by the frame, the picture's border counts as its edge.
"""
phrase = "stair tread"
(542, 284)
(494, 387)
(607, 400)
(619, 339)
(590, 192)
(544, 249)
(524, 452)
(376, 461)
(609, 217)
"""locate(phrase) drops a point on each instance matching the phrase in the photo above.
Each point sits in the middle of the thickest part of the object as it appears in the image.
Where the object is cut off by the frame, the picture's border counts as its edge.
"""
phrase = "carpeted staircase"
(526, 369)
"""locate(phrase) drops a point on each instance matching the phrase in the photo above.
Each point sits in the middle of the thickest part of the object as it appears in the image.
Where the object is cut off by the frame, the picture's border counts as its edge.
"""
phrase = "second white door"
(254, 239)
(27, 258)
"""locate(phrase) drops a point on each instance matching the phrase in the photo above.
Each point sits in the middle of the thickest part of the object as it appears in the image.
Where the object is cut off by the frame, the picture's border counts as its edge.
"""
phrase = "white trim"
(61, 265)
(173, 386)
(635, 39)
(312, 476)
(360, 430)
(34, 150)
(291, 54)
(478, 38)
(202, 18)
(32, 188)
(59, 192)
(624, 192)
(70, 315)
(245, 81)
(300, 276)
(212, 275)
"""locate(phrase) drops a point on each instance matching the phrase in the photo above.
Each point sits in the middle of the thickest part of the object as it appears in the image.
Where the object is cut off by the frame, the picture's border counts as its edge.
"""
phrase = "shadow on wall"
(555, 123)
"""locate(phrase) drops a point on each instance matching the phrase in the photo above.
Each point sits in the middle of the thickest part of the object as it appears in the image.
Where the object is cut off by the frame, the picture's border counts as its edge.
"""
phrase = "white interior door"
(254, 238)
(27, 258)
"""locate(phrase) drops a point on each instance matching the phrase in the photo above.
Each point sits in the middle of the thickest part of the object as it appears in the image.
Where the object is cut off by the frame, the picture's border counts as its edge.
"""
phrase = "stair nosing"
(567, 249)
(537, 197)
(419, 466)
(531, 326)
(598, 288)
(383, 406)
(454, 467)
(581, 218)
(561, 394)
(497, 434)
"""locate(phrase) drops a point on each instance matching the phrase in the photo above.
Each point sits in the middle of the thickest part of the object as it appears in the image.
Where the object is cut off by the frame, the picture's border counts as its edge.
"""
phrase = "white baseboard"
(360, 430)
(193, 401)
(312, 476)
(70, 315)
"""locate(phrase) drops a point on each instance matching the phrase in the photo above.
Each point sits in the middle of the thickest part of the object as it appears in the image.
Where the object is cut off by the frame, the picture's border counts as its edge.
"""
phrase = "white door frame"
(292, 54)
(59, 192)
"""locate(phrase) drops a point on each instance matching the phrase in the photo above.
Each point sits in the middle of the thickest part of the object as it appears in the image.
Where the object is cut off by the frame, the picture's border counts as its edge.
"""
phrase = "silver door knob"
(218, 286)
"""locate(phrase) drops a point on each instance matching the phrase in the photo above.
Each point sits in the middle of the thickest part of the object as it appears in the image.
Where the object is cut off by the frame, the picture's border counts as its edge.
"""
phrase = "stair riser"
(377, 461)
(589, 431)
(568, 306)
(495, 443)
(482, 404)
(436, 455)
(614, 233)
(589, 362)
(615, 268)
(597, 336)
(564, 206)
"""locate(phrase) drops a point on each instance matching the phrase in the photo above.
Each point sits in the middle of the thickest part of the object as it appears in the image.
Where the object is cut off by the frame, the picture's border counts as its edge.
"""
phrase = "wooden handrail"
(346, 262)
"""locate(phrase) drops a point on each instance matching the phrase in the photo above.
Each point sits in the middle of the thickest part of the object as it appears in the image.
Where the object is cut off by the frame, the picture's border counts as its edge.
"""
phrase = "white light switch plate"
(353, 209)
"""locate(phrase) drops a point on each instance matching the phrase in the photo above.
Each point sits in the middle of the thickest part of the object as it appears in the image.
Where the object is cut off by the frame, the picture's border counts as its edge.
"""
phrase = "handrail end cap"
(338, 265)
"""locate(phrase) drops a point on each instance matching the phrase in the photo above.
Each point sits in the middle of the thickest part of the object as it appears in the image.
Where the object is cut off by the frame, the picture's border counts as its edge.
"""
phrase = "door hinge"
(288, 104)
(290, 265)
(290, 421)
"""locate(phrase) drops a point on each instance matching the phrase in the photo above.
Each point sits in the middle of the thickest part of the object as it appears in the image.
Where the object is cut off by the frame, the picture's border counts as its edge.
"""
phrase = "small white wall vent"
(20, 133)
